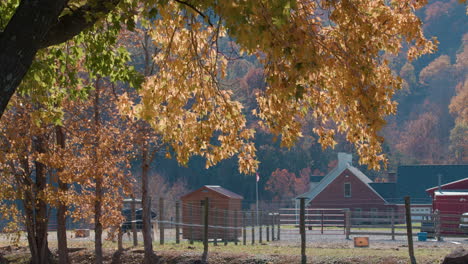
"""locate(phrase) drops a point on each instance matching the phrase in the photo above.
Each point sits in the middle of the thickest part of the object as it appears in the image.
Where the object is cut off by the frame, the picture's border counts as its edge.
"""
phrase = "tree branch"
(36, 25)
(80, 19)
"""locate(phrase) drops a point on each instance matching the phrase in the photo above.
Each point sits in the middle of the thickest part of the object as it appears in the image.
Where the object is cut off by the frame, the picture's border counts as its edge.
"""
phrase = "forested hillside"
(430, 126)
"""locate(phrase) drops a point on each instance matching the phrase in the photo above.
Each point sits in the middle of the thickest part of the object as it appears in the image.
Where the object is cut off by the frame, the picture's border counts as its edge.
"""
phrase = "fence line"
(179, 221)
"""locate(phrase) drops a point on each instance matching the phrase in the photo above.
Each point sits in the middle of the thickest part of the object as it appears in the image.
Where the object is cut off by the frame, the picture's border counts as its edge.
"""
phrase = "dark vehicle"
(127, 213)
(127, 225)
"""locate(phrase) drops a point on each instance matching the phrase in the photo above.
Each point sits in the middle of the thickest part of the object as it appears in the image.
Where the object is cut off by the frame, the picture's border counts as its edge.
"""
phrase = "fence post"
(225, 229)
(278, 220)
(134, 229)
(393, 224)
(273, 226)
(177, 227)
(253, 227)
(244, 229)
(267, 223)
(321, 221)
(235, 227)
(409, 229)
(119, 239)
(302, 231)
(161, 219)
(348, 223)
(260, 219)
(205, 231)
(191, 223)
(344, 221)
(216, 229)
(437, 225)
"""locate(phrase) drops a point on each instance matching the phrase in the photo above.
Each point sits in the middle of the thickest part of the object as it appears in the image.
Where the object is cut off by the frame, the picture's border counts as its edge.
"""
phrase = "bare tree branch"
(196, 10)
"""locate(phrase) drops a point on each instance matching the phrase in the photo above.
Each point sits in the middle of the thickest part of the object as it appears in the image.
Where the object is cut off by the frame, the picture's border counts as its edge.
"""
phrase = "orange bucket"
(361, 241)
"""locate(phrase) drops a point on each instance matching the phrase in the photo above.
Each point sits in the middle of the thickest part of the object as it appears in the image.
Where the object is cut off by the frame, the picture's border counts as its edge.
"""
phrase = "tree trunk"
(62, 208)
(133, 216)
(36, 210)
(99, 190)
(97, 221)
(146, 206)
(20, 41)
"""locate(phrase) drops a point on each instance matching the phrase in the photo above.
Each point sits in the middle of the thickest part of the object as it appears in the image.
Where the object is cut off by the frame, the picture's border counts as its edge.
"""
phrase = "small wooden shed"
(224, 211)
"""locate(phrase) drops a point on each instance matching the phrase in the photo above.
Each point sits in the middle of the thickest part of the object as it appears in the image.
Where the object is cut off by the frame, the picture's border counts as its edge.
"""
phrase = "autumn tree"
(284, 185)
(105, 150)
(419, 139)
(101, 156)
(324, 57)
(23, 174)
(303, 181)
(459, 108)
(309, 73)
(146, 139)
(281, 185)
(62, 73)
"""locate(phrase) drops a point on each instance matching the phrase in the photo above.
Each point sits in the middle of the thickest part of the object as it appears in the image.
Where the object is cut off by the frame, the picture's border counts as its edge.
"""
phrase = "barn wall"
(454, 205)
(362, 196)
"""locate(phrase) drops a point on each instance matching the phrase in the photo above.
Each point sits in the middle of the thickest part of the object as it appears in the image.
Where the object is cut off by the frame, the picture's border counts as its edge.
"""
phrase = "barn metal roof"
(436, 193)
(414, 180)
(460, 184)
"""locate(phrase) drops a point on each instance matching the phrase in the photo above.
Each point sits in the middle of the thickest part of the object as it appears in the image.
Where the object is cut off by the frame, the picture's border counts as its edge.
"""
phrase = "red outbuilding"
(224, 211)
(451, 201)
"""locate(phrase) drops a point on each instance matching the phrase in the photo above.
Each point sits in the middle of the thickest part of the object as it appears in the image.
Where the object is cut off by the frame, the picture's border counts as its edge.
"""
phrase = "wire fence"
(230, 223)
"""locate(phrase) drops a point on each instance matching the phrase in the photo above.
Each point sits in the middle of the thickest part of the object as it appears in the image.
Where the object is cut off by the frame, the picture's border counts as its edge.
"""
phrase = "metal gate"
(317, 220)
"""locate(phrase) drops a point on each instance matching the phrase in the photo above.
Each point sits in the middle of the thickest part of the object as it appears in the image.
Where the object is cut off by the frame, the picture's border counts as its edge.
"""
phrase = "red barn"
(450, 199)
(346, 187)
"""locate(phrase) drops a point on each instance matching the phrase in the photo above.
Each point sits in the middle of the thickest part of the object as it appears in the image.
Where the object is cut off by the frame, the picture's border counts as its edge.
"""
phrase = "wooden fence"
(343, 221)
(394, 224)
(322, 220)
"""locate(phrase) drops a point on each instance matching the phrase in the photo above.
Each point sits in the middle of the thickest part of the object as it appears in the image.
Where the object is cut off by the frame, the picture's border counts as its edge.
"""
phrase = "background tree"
(281, 185)
(24, 145)
(459, 108)
(146, 139)
(419, 138)
(284, 185)
(99, 157)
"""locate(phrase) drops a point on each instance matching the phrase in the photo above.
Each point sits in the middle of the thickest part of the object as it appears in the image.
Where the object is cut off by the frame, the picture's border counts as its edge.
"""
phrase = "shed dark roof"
(217, 189)
(224, 192)
(414, 180)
